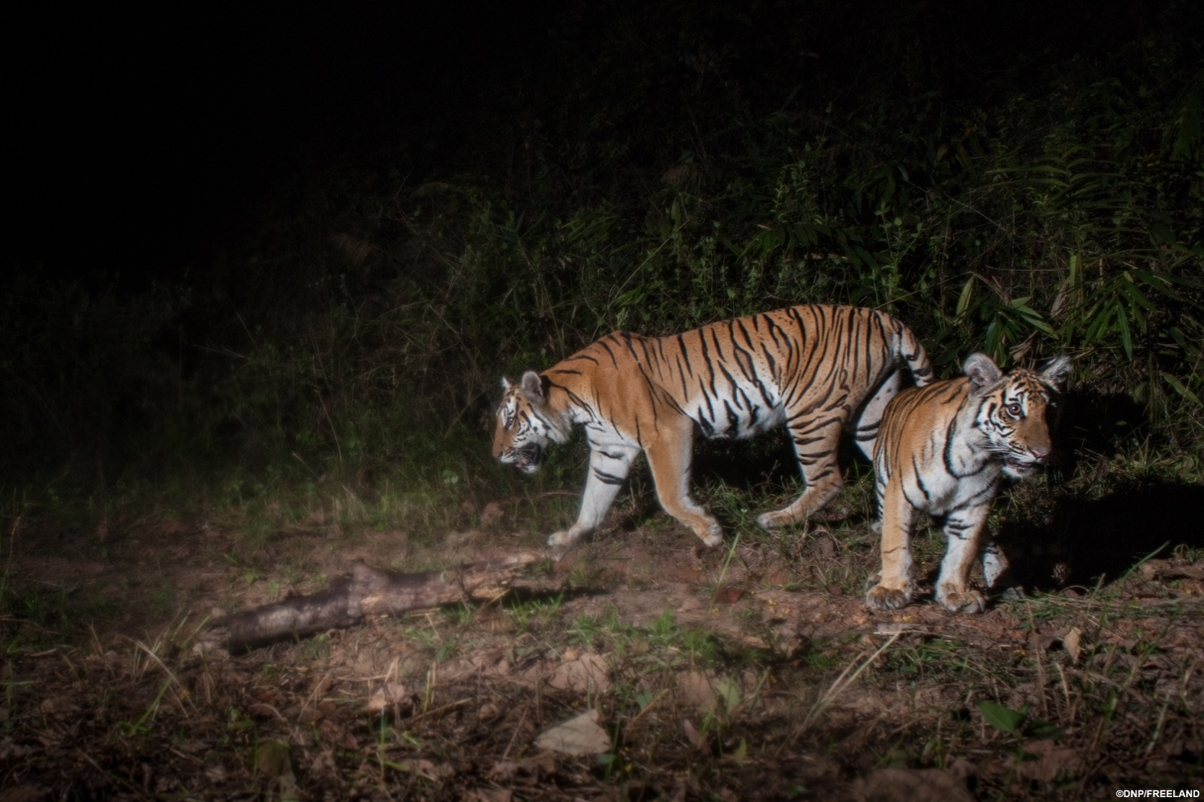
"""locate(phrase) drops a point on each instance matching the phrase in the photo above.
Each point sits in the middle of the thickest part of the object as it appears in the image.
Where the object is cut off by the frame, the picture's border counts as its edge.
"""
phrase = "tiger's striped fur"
(943, 450)
(817, 369)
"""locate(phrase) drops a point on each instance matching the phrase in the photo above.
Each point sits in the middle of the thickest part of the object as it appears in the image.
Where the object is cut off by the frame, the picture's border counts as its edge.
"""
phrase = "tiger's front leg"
(895, 587)
(609, 464)
(963, 530)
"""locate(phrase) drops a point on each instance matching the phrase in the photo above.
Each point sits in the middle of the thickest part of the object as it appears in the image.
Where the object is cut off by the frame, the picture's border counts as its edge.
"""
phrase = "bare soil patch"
(637, 667)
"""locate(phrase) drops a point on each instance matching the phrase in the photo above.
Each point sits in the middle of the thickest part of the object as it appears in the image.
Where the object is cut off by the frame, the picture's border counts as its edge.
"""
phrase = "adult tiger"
(818, 369)
(943, 450)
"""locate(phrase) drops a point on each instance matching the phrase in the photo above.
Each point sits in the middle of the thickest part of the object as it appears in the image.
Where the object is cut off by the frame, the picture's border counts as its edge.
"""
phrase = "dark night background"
(206, 202)
(149, 140)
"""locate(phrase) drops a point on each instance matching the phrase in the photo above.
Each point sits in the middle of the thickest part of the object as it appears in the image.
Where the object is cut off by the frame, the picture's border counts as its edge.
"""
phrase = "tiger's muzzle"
(1024, 464)
(526, 459)
(1019, 467)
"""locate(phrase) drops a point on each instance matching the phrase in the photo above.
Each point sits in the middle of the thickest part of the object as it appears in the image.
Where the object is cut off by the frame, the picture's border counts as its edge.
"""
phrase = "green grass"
(943, 697)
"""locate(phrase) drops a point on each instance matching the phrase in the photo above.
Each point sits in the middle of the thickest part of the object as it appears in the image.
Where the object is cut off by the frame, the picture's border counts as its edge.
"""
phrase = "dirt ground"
(636, 667)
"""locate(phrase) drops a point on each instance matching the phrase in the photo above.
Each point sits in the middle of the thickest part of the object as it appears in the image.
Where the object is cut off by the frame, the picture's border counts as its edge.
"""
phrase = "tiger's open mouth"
(1020, 467)
(527, 460)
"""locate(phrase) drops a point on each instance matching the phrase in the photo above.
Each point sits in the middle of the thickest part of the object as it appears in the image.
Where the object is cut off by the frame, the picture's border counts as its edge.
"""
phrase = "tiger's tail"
(911, 350)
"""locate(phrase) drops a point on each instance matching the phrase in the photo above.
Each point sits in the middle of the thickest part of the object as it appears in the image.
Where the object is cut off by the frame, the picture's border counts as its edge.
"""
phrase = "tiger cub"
(817, 369)
(943, 450)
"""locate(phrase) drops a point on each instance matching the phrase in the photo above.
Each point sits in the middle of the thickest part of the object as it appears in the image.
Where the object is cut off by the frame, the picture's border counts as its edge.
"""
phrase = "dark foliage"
(1018, 179)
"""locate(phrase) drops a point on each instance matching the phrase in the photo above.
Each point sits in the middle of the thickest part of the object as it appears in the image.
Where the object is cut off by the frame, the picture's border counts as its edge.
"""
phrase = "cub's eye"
(1013, 409)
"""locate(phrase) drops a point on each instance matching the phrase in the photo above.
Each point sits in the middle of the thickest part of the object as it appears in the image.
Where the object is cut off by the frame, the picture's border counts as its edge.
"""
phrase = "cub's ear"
(1057, 370)
(982, 370)
(533, 387)
(505, 384)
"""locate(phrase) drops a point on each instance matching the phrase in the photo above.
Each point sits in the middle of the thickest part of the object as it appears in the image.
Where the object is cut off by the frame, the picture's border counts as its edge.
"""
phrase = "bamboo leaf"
(1126, 337)
(966, 296)
(1099, 324)
(1034, 319)
(1181, 388)
(1134, 294)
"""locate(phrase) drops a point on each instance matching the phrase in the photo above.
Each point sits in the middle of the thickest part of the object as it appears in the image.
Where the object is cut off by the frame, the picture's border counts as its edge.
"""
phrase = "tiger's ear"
(982, 370)
(533, 387)
(1057, 370)
(505, 384)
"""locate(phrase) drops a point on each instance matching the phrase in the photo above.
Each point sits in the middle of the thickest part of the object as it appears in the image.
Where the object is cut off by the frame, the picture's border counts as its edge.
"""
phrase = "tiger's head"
(526, 423)
(1015, 410)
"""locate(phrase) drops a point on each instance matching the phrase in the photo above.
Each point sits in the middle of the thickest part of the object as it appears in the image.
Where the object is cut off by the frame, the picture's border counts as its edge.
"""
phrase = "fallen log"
(366, 592)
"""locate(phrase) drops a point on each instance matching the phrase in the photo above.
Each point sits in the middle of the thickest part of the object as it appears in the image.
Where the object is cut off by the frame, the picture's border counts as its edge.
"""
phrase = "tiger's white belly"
(746, 408)
(731, 419)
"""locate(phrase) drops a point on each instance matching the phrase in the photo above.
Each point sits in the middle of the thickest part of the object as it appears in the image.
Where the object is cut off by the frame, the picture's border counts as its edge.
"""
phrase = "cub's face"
(1017, 425)
(1016, 413)
(521, 431)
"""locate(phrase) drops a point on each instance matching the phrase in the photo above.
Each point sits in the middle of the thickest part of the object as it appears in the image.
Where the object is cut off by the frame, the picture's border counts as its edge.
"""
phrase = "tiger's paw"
(959, 601)
(562, 540)
(775, 520)
(882, 598)
(713, 536)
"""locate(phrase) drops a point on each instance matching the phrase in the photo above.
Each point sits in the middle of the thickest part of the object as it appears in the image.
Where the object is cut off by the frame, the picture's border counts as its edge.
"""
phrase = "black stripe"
(608, 478)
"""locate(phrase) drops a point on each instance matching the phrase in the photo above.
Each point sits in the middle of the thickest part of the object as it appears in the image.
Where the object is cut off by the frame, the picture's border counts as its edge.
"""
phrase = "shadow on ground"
(1087, 540)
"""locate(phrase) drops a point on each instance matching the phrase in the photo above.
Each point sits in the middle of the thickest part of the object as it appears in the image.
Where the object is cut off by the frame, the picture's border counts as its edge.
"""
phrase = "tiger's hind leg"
(670, 457)
(994, 563)
(815, 444)
(997, 573)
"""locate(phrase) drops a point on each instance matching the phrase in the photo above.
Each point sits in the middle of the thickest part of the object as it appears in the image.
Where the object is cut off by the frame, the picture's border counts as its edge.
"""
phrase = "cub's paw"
(882, 598)
(766, 520)
(962, 601)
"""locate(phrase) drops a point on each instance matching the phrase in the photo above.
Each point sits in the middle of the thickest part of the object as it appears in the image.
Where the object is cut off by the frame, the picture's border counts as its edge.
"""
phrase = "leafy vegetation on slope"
(681, 164)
